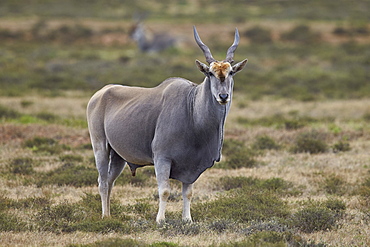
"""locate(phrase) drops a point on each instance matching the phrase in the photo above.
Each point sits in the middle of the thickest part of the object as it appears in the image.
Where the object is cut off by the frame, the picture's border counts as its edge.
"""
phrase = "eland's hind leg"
(101, 153)
(110, 166)
(116, 165)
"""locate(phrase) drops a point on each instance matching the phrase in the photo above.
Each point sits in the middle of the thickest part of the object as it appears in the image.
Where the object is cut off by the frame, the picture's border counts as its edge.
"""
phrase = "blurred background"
(304, 50)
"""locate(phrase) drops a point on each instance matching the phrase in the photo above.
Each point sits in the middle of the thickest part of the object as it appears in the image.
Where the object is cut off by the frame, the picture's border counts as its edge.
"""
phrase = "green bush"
(71, 158)
(318, 216)
(83, 216)
(68, 34)
(143, 209)
(221, 226)
(265, 142)
(172, 228)
(70, 174)
(11, 223)
(23, 166)
(310, 142)
(118, 242)
(47, 116)
(7, 113)
(334, 185)
(104, 226)
(302, 34)
(311, 219)
(45, 145)
(258, 35)
(294, 124)
(31, 203)
(364, 188)
(341, 146)
(237, 155)
(273, 184)
(242, 205)
(59, 218)
(335, 205)
(5, 203)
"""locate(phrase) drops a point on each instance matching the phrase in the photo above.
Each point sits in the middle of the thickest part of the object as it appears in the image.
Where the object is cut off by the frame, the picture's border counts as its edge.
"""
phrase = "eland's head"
(220, 73)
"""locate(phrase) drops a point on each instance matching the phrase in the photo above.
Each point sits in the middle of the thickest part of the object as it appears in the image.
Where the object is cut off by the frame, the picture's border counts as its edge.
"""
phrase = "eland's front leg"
(162, 171)
(187, 193)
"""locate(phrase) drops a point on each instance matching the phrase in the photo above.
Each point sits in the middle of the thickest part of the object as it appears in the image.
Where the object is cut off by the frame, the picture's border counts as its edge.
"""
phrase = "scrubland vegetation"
(295, 168)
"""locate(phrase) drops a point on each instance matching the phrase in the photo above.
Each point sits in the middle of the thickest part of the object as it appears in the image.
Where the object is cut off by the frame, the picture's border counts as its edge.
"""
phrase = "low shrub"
(31, 203)
(294, 124)
(318, 216)
(68, 34)
(221, 226)
(334, 185)
(5, 203)
(104, 226)
(269, 237)
(142, 209)
(366, 116)
(47, 116)
(364, 188)
(311, 219)
(273, 184)
(263, 226)
(335, 205)
(118, 242)
(59, 218)
(301, 34)
(71, 158)
(237, 155)
(351, 31)
(341, 146)
(84, 215)
(172, 228)
(45, 145)
(7, 113)
(70, 174)
(258, 35)
(11, 223)
(242, 205)
(265, 142)
(22, 166)
(278, 121)
(26, 103)
(309, 142)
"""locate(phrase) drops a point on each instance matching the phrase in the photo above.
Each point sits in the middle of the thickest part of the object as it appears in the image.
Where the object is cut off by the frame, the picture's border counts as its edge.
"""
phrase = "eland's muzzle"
(224, 98)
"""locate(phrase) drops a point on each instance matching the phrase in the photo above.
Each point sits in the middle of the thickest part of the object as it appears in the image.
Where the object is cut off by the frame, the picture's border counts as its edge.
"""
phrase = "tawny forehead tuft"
(220, 69)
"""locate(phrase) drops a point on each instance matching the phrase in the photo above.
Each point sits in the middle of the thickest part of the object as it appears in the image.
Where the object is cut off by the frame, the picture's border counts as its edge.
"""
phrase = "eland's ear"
(239, 66)
(202, 67)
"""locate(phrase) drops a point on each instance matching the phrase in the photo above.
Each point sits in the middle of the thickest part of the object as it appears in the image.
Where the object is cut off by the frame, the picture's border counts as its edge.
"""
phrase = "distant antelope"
(150, 42)
(177, 126)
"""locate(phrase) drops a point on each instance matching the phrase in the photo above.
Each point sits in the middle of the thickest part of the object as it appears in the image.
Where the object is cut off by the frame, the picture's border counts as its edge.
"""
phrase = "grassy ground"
(295, 167)
(265, 191)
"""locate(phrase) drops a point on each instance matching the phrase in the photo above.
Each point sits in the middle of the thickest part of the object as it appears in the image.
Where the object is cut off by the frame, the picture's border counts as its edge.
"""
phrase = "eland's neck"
(208, 117)
(207, 112)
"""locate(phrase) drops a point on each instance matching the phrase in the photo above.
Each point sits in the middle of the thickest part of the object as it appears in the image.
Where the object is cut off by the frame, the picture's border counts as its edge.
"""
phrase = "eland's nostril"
(224, 97)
